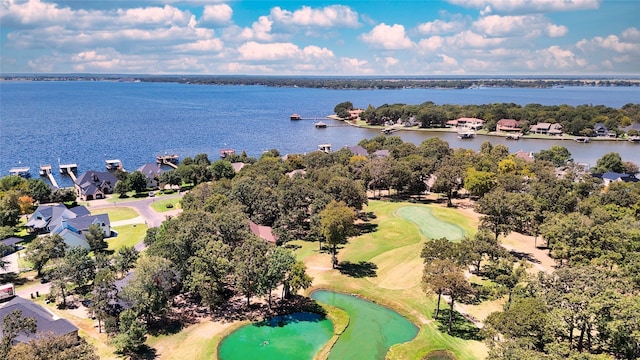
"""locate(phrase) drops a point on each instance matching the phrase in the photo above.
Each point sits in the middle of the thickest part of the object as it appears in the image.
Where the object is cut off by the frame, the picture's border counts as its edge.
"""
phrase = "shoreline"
(482, 132)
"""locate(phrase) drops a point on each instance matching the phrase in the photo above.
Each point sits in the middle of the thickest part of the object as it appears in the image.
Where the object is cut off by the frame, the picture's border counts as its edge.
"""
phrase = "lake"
(88, 122)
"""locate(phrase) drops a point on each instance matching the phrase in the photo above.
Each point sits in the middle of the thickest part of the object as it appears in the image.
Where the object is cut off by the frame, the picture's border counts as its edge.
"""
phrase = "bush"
(169, 205)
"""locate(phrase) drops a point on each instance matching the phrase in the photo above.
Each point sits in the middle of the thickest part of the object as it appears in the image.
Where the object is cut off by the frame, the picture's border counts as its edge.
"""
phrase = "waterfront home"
(508, 125)
(358, 150)
(610, 177)
(94, 185)
(355, 113)
(70, 224)
(382, 153)
(152, 172)
(46, 322)
(600, 129)
(635, 127)
(12, 245)
(469, 123)
(546, 129)
(526, 156)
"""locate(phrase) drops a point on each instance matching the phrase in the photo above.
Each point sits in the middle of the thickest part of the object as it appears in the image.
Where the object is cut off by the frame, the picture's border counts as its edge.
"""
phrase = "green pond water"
(372, 329)
(295, 336)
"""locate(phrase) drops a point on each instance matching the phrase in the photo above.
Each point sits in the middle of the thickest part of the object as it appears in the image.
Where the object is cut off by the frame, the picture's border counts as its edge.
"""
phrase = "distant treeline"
(578, 120)
(344, 82)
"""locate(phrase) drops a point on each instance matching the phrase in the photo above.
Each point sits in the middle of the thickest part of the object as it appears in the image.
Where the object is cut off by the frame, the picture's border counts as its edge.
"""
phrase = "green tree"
(504, 211)
(208, 269)
(249, 262)
(556, 154)
(122, 188)
(95, 238)
(351, 192)
(125, 259)
(103, 296)
(609, 162)
(39, 191)
(296, 279)
(44, 248)
(222, 169)
(336, 225)
(151, 286)
(434, 278)
(137, 182)
(479, 183)
(131, 335)
(280, 261)
(13, 325)
(80, 267)
(52, 347)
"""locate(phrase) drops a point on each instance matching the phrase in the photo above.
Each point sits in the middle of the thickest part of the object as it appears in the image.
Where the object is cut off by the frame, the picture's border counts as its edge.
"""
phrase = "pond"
(294, 336)
(372, 329)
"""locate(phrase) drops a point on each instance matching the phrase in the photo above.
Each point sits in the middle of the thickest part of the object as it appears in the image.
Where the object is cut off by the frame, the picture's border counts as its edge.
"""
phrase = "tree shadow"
(461, 326)
(366, 228)
(523, 255)
(358, 270)
(145, 353)
(12, 278)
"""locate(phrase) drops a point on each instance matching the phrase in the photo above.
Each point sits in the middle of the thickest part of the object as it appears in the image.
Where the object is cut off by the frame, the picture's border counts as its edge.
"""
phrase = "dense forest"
(575, 120)
(346, 82)
(586, 309)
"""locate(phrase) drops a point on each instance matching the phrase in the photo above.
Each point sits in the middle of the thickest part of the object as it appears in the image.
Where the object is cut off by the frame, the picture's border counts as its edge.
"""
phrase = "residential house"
(358, 150)
(355, 113)
(264, 232)
(382, 153)
(94, 185)
(470, 123)
(632, 127)
(237, 166)
(152, 172)
(526, 156)
(546, 129)
(46, 322)
(610, 177)
(600, 129)
(12, 245)
(508, 125)
(70, 224)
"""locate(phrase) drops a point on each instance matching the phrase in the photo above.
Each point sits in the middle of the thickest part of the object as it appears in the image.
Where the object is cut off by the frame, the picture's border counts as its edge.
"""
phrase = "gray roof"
(46, 321)
(11, 241)
(96, 177)
(83, 223)
(150, 170)
(382, 153)
(358, 150)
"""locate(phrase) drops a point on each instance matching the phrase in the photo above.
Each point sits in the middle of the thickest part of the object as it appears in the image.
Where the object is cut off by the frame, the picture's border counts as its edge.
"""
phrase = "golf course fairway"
(372, 329)
(430, 226)
(295, 336)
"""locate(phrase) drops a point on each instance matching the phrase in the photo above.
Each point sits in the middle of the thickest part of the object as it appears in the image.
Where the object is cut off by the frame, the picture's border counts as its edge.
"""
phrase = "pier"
(45, 171)
(114, 164)
(69, 169)
(21, 171)
(169, 160)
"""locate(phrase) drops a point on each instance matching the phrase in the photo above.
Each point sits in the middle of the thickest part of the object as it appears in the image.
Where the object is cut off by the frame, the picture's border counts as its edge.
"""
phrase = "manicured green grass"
(161, 205)
(430, 226)
(394, 248)
(128, 235)
(118, 213)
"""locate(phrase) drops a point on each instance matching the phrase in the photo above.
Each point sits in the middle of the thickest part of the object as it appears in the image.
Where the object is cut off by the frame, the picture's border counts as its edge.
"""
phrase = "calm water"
(297, 336)
(89, 122)
(372, 329)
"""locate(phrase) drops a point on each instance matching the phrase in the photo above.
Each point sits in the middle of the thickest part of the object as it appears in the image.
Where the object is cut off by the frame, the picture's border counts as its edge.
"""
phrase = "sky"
(344, 38)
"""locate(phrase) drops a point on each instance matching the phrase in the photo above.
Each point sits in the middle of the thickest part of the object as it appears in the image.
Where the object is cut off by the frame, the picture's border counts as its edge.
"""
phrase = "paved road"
(142, 206)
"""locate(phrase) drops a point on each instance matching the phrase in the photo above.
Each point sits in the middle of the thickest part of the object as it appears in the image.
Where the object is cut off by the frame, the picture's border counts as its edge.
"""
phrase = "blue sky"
(375, 37)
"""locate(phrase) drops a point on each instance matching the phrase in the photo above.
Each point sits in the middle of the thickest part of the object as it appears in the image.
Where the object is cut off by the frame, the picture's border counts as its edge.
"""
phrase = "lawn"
(117, 213)
(393, 250)
(128, 235)
(161, 205)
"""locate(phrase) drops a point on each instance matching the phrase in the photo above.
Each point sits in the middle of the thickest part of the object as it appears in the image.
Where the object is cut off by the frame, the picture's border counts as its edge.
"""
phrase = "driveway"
(12, 265)
(143, 207)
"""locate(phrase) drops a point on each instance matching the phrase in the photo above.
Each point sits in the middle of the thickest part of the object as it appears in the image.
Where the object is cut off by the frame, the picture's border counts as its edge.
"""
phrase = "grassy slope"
(117, 213)
(161, 205)
(128, 235)
(395, 249)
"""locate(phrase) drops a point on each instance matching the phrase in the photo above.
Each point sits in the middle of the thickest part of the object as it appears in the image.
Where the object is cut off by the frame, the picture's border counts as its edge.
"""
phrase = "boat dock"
(114, 164)
(226, 152)
(45, 171)
(69, 169)
(21, 171)
(325, 148)
(169, 160)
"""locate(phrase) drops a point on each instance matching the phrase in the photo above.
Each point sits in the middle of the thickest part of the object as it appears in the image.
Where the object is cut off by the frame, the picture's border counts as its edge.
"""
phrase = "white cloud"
(208, 45)
(518, 25)
(218, 14)
(355, 66)
(430, 44)
(387, 37)
(471, 40)
(527, 6)
(152, 16)
(327, 17)
(438, 27)
(254, 51)
(631, 34)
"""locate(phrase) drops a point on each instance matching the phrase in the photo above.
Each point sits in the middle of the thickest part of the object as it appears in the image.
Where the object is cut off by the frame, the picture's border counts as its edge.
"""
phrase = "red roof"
(263, 232)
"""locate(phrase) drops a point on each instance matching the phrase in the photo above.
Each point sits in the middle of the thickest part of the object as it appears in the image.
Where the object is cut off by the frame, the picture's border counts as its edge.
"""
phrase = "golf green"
(372, 329)
(294, 336)
(429, 225)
